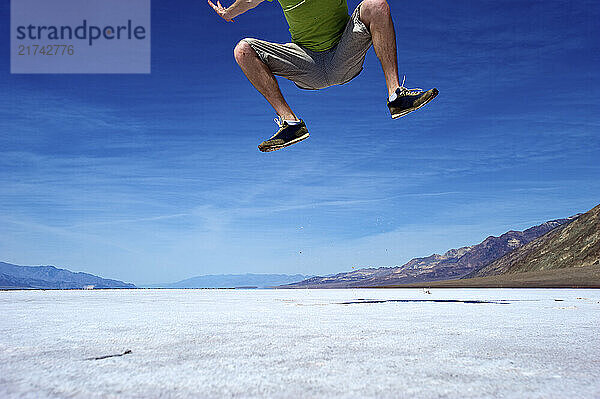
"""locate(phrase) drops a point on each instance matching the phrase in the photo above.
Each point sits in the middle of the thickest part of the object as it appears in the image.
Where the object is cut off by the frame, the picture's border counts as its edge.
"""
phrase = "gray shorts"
(313, 70)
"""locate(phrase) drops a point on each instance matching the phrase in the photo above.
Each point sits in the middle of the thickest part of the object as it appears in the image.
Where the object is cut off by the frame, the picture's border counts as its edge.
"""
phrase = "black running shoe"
(408, 100)
(285, 136)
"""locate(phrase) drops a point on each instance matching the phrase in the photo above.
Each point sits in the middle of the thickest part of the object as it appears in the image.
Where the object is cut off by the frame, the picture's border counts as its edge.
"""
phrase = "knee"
(373, 9)
(242, 51)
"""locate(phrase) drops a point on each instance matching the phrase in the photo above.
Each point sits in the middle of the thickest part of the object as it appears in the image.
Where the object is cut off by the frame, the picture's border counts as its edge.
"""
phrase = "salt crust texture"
(300, 344)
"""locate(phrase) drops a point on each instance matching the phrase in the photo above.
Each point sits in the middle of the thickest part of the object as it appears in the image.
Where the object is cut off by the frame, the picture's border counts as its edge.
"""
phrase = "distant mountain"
(50, 277)
(234, 281)
(454, 264)
(575, 245)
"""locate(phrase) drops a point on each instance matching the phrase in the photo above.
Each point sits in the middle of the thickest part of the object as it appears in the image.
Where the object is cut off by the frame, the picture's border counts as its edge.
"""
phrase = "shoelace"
(279, 120)
(409, 92)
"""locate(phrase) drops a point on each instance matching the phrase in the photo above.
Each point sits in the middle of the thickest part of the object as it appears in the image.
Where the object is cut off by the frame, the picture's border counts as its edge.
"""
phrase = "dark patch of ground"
(501, 302)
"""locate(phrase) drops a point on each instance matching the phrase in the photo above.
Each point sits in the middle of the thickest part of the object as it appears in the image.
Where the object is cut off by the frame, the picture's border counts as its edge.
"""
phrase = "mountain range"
(568, 256)
(50, 277)
(234, 281)
(454, 264)
(557, 253)
(573, 245)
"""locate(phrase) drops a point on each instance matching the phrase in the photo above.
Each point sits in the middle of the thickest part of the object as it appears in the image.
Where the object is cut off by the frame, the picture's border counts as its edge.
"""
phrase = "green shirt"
(316, 24)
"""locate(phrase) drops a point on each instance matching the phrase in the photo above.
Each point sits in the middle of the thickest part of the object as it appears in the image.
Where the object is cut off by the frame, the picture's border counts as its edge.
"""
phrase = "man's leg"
(375, 14)
(262, 79)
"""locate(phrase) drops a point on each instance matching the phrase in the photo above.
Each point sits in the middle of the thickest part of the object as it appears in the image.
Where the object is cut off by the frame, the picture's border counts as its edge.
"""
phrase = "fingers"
(219, 9)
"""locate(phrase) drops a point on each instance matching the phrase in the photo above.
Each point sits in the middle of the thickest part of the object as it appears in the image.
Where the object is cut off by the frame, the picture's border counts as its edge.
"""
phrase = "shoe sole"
(434, 94)
(289, 143)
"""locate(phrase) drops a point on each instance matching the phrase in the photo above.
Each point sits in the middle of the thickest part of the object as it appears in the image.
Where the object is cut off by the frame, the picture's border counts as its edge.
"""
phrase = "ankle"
(290, 118)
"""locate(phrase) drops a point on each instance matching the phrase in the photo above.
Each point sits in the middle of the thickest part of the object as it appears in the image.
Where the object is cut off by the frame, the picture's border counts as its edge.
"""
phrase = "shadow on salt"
(499, 302)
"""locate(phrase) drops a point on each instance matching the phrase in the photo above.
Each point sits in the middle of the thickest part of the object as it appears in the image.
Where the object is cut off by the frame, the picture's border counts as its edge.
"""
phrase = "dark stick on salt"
(127, 352)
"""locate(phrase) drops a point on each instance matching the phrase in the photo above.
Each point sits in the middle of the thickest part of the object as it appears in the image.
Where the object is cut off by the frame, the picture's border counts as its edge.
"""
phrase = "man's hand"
(237, 8)
(220, 10)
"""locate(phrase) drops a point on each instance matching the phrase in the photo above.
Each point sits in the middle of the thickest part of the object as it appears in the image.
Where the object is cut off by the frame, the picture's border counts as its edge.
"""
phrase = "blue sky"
(156, 178)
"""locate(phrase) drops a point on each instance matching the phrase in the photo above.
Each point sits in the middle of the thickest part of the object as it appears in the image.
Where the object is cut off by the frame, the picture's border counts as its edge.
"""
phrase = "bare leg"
(262, 79)
(375, 14)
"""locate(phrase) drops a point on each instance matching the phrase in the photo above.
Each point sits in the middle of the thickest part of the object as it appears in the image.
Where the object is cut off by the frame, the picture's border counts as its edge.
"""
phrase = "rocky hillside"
(576, 245)
(454, 264)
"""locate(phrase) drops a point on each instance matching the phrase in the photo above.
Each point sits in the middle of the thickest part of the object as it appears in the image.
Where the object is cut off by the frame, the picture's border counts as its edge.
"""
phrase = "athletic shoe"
(285, 136)
(408, 100)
